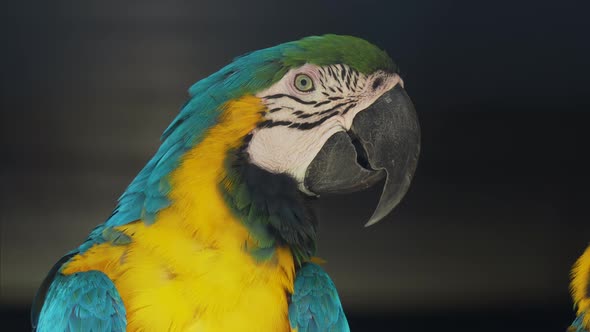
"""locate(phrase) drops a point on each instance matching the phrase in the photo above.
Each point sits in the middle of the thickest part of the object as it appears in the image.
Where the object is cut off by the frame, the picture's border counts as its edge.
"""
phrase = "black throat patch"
(271, 206)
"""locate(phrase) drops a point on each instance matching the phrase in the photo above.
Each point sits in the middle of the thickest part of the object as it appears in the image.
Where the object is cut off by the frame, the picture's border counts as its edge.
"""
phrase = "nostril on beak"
(377, 83)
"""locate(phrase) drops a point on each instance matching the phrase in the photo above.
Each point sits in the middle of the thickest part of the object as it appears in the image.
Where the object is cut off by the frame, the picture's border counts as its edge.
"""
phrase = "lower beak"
(384, 141)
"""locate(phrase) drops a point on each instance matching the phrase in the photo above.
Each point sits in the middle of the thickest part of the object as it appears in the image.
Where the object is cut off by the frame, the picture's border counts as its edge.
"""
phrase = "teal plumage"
(86, 301)
(315, 305)
(148, 192)
(248, 74)
(91, 297)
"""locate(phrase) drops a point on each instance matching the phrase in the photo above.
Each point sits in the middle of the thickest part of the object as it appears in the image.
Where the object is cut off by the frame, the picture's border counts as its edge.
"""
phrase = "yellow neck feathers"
(580, 286)
(188, 271)
(195, 183)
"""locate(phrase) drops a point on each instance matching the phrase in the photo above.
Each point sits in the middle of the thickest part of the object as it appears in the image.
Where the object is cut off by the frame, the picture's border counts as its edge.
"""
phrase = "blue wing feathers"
(85, 301)
(578, 325)
(315, 305)
(148, 192)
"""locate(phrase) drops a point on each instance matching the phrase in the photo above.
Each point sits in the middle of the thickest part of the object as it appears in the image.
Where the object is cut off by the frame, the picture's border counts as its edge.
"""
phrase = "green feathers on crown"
(270, 64)
(334, 49)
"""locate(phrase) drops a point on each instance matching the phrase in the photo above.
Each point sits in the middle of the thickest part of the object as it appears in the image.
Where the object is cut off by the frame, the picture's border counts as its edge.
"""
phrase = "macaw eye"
(303, 83)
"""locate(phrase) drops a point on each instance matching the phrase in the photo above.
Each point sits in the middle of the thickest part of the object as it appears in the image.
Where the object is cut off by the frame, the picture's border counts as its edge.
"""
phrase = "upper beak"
(384, 141)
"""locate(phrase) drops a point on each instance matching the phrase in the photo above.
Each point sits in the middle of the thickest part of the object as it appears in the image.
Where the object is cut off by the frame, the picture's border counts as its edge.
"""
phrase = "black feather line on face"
(348, 75)
(282, 95)
(271, 123)
(331, 72)
(310, 125)
(337, 106)
(351, 106)
(305, 116)
(322, 103)
(322, 79)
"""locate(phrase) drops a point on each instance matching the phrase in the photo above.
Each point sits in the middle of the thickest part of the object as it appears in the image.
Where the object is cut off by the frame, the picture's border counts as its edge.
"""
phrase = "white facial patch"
(301, 117)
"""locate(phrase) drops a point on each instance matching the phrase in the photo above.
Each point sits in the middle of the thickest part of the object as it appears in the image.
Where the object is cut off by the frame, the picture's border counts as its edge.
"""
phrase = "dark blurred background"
(484, 240)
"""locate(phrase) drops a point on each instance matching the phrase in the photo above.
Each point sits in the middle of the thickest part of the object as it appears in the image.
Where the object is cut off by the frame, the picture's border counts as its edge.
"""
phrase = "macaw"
(580, 287)
(215, 232)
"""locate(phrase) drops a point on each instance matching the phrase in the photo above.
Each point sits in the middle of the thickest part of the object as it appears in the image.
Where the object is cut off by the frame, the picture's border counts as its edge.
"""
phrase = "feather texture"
(315, 305)
(86, 301)
(580, 287)
(165, 181)
(578, 325)
(271, 206)
(246, 75)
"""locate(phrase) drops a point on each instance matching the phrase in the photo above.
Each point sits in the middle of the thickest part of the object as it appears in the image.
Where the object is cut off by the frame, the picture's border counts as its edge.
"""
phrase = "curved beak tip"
(384, 140)
(390, 134)
(372, 221)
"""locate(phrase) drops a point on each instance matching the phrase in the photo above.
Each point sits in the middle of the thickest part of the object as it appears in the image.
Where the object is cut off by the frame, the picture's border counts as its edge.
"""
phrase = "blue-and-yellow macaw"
(214, 233)
(580, 287)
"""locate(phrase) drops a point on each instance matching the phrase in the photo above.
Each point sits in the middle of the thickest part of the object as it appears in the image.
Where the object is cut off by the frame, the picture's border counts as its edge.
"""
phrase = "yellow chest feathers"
(189, 270)
(179, 284)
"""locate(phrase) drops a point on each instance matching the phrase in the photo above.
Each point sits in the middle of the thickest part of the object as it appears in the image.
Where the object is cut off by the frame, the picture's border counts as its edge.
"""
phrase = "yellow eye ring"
(303, 83)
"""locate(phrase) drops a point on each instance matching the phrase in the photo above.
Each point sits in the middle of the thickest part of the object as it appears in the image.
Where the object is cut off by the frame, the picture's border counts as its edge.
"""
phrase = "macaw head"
(325, 114)
(337, 120)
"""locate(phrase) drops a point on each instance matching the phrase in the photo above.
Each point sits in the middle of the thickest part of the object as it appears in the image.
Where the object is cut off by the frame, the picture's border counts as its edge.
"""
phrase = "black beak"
(384, 141)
